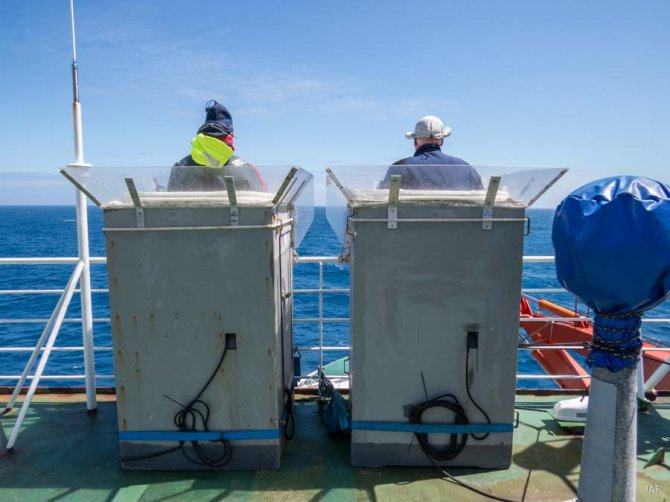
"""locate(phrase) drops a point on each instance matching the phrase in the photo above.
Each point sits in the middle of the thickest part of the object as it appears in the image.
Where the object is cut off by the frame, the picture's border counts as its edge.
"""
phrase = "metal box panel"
(176, 289)
(415, 293)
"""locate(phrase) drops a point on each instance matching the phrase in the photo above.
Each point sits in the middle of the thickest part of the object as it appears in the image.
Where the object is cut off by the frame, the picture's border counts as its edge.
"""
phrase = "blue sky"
(582, 84)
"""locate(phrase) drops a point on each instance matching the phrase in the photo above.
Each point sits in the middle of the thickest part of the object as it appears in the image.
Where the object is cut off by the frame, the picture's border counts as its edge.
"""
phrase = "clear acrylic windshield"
(351, 186)
(192, 186)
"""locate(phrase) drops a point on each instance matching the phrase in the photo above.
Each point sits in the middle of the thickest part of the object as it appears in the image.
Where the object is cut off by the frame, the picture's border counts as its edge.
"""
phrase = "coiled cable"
(456, 441)
(187, 419)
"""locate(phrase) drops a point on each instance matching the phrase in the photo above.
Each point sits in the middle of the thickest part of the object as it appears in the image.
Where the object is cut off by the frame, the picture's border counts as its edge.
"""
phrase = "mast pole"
(82, 233)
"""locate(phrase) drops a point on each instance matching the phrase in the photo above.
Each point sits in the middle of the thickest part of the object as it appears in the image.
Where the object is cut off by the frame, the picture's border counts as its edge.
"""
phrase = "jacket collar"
(427, 148)
(210, 151)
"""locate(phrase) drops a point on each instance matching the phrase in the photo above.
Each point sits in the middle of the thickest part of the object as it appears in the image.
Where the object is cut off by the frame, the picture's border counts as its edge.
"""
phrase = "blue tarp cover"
(612, 244)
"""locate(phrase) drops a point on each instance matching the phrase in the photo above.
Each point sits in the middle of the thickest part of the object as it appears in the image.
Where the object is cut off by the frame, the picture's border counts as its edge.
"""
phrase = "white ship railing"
(643, 386)
(320, 320)
(45, 345)
(47, 339)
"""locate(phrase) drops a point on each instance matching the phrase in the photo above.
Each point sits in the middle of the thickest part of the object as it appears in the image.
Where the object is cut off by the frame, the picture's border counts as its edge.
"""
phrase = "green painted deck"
(65, 454)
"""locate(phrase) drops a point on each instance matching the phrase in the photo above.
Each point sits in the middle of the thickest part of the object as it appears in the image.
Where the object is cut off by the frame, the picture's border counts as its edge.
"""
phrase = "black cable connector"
(473, 340)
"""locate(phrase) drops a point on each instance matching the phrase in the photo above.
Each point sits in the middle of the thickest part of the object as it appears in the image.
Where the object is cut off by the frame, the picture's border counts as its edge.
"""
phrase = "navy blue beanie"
(218, 120)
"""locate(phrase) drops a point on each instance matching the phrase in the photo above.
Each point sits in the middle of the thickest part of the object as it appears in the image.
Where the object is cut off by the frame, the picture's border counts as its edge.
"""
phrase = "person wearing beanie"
(429, 168)
(212, 157)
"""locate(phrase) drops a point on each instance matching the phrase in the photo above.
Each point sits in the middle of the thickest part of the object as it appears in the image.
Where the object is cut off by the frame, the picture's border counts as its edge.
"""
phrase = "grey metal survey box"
(192, 275)
(435, 291)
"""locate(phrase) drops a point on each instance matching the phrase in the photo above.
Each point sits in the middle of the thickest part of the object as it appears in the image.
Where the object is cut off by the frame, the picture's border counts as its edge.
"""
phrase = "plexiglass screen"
(349, 186)
(177, 186)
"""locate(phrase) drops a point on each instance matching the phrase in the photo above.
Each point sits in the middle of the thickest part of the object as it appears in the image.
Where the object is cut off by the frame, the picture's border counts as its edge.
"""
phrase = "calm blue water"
(51, 231)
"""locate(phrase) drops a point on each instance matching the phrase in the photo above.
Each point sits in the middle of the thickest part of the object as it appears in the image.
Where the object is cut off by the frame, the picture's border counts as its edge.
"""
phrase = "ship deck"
(63, 453)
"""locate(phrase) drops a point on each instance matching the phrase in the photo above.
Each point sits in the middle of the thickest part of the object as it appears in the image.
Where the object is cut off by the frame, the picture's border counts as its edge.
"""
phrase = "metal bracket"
(284, 185)
(232, 200)
(487, 214)
(137, 202)
(394, 194)
(331, 176)
(81, 188)
(546, 187)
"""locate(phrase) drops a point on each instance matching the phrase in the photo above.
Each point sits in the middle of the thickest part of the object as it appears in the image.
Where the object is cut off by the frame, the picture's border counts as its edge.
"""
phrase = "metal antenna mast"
(78, 139)
(82, 233)
(81, 273)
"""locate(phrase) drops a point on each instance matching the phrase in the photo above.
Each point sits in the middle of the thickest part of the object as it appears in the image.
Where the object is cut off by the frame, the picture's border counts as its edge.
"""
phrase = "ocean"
(49, 231)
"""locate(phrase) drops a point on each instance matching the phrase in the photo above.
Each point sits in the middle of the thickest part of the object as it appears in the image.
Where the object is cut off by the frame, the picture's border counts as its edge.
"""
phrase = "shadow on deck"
(65, 454)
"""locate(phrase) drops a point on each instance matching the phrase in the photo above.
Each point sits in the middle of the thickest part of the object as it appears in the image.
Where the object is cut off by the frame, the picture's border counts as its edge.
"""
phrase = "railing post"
(86, 304)
(640, 378)
(59, 312)
(53, 319)
(320, 315)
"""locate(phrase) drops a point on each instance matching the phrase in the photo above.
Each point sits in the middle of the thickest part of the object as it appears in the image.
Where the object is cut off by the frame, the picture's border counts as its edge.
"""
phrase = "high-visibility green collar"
(209, 151)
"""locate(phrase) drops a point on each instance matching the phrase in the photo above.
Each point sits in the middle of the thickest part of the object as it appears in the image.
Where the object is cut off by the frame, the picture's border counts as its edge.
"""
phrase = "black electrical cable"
(455, 446)
(467, 389)
(456, 441)
(186, 420)
(468, 486)
(150, 455)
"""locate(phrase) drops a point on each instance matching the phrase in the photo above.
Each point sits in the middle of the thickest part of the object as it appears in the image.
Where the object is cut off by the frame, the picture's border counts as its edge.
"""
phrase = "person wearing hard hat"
(430, 168)
(212, 157)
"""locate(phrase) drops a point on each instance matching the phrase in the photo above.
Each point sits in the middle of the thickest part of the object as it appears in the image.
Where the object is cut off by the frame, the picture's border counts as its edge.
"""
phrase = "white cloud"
(188, 67)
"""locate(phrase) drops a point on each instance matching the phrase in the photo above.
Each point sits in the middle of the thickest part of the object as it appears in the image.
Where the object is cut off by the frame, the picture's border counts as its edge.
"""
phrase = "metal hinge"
(232, 200)
(137, 202)
(394, 194)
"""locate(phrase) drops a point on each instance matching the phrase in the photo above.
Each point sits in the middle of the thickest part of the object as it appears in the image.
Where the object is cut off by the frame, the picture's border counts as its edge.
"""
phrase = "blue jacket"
(431, 169)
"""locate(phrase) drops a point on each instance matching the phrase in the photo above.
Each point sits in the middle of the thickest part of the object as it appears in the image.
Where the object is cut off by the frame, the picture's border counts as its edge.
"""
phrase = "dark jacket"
(189, 176)
(430, 169)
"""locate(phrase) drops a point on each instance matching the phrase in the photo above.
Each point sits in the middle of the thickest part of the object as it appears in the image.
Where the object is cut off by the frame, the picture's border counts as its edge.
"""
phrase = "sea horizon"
(50, 231)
